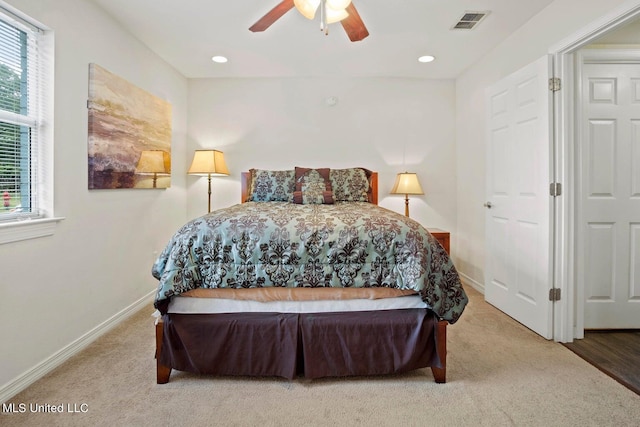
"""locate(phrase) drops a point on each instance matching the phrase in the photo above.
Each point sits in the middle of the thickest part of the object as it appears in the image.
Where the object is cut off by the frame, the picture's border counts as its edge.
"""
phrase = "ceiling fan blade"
(353, 25)
(272, 16)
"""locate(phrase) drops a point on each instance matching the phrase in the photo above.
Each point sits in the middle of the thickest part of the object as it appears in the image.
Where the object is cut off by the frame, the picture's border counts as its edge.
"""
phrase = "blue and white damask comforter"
(346, 244)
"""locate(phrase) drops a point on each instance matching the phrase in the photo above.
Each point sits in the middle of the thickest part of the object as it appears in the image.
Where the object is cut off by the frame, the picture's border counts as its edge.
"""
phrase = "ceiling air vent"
(469, 20)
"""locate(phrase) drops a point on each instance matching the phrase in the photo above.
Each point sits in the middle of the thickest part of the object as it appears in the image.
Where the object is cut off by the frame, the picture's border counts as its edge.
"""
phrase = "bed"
(306, 277)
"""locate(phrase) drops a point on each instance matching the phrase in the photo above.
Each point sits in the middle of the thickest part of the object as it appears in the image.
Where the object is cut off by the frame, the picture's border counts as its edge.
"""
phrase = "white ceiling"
(187, 33)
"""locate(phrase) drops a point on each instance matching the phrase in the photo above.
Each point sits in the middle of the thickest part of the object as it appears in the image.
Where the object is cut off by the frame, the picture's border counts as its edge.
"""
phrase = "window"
(25, 141)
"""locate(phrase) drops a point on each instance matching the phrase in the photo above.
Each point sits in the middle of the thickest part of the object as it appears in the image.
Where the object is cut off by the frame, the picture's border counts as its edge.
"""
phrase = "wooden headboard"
(245, 180)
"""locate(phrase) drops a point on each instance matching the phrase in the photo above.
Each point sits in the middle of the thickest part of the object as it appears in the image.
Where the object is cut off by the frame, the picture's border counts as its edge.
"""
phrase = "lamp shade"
(335, 15)
(407, 183)
(338, 4)
(208, 162)
(153, 161)
(334, 9)
(307, 7)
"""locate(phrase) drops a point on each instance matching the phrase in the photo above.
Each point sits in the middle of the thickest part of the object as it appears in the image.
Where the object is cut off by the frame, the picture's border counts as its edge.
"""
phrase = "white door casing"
(569, 311)
(608, 206)
(518, 215)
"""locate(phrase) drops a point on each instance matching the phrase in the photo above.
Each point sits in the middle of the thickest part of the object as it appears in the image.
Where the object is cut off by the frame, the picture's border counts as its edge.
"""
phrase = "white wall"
(555, 23)
(53, 290)
(383, 124)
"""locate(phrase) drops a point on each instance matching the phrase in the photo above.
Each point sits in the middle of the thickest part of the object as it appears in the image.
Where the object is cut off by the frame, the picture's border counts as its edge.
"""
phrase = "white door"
(518, 262)
(608, 230)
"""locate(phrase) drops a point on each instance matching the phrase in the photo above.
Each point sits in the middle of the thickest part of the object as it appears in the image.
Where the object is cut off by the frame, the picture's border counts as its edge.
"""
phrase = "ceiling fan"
(330, 11)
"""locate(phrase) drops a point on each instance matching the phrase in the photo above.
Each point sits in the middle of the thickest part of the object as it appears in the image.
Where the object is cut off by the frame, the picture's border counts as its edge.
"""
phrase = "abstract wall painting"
(129, 134)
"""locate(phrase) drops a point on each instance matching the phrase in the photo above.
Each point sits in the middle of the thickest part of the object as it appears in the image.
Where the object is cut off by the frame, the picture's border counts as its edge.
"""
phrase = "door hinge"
(554, 294)
(555, 84)
(555, 189)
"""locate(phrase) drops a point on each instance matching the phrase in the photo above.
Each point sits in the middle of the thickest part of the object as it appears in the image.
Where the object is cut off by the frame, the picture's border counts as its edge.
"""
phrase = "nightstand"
(441, 236)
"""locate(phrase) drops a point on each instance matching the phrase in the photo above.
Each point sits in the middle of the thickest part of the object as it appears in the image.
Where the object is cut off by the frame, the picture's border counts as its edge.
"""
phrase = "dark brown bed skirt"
(312, 345)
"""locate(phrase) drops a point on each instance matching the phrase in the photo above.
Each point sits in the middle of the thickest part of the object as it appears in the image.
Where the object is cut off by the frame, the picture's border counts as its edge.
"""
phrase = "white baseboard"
(23, 381)
(469, 281)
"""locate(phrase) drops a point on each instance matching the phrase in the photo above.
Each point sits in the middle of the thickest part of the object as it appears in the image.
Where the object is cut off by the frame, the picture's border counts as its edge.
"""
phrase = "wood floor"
(616, 353)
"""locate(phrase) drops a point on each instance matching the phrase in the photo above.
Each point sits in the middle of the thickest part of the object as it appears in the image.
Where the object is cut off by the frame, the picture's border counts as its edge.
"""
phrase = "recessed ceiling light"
(219, 59)
(426, 58)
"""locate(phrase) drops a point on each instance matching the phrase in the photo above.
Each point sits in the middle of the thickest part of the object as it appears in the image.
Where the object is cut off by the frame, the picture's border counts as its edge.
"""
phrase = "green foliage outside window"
(14, 149)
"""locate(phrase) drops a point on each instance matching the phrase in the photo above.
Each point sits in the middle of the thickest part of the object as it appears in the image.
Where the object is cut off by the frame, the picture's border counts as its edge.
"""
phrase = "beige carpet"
(499, 374)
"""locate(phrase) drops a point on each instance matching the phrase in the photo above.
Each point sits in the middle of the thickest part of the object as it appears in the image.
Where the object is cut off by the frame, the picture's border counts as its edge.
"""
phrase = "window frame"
(41, 223)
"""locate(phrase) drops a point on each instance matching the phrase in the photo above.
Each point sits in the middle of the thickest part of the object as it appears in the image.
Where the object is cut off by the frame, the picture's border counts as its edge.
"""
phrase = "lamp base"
(209, 193)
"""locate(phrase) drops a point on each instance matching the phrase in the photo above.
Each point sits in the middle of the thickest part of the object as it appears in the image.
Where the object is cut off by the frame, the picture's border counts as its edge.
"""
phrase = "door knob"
(488, 205)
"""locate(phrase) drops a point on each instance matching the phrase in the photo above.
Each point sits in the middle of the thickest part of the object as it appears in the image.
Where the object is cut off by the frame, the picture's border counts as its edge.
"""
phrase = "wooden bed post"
(162, 372)
(440, 374)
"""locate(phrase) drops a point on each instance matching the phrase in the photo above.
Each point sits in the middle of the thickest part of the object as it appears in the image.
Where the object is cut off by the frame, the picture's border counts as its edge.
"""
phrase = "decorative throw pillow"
(350, 185)
(312, 186)
(271, 186)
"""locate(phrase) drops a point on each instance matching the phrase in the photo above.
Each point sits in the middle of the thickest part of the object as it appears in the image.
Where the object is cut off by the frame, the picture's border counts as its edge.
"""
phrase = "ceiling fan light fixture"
(338, 4)
(350, 18)
(335, 15)
(307, 8)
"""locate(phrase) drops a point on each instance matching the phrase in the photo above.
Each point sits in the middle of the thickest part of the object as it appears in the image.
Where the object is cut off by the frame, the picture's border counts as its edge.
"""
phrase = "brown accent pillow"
(312, 186)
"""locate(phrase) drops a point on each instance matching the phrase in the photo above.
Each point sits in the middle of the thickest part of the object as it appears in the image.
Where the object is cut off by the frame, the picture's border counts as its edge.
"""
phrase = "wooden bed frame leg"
(162, 372)
(440, 374)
